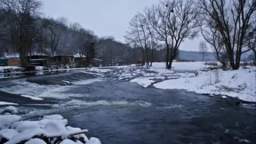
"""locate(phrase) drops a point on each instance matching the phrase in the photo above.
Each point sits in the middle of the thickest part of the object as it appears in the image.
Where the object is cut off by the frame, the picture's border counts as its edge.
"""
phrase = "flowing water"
(120, 112)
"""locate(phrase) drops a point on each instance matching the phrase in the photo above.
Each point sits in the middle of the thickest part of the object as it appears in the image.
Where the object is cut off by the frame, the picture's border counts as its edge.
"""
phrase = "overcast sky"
(103, 17)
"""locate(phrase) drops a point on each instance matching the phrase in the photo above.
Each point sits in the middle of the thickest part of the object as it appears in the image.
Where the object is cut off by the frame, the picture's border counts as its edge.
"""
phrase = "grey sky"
(104, 17)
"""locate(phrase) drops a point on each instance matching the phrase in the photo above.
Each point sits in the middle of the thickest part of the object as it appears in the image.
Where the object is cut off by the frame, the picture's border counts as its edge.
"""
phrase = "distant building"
(10, 59)
(61, 61)
(38, 60)
(80, 60)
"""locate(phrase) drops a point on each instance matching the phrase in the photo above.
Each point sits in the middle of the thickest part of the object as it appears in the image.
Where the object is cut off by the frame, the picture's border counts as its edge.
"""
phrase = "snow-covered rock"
(13, 130)
(35, 141)
(68, 141)
(94, 140)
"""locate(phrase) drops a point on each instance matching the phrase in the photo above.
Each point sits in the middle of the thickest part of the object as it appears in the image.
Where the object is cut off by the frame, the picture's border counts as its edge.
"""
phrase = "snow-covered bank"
(196, 77)
(239, 83)
(180, 66)
(49, 129)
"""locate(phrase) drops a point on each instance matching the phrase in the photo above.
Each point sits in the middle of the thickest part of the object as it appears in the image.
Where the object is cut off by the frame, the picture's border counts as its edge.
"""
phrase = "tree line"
(24, 31)
(227, 26)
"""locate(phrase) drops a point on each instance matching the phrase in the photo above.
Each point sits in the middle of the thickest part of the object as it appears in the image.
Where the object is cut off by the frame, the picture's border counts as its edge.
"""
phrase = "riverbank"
(196, 77)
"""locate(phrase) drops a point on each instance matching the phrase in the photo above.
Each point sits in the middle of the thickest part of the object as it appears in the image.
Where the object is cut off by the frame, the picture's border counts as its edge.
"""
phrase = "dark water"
(119, 112)
(161, 116)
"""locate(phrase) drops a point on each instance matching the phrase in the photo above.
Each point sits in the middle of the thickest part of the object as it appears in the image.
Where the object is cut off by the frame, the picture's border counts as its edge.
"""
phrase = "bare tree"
(5, 41)
(213, 38)
(173, 21)
(23, 29)
(230, 20)
(53, 35)
(140, 35)
(252, 43)
(85, 41)
(252, 39)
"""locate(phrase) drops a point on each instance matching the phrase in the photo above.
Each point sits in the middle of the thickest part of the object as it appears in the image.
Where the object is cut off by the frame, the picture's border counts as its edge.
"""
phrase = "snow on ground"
(179, 66)
(195, 77)
(144, 81)
(158, 71)
(49, 129)
(239, 83)
(189, 66)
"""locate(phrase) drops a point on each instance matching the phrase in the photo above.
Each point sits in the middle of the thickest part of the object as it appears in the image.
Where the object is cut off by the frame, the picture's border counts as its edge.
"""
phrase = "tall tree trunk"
(238, 59)
(152, 57)
(167, 56)
(143, 57)
(23, 57)
(147, 57)
(170, 64)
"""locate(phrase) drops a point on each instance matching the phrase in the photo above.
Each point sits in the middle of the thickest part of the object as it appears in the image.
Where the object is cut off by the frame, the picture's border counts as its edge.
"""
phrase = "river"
(120, 112)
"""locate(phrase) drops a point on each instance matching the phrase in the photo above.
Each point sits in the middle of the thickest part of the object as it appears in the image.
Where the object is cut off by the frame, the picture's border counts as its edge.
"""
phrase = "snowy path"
(118, 111)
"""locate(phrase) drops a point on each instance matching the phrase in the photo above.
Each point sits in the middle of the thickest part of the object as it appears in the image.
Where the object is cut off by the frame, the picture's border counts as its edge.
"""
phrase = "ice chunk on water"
(32, 97)
(7, 103)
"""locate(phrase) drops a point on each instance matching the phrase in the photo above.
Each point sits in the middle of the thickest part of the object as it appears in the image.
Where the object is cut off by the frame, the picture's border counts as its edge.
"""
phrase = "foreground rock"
(51, 129)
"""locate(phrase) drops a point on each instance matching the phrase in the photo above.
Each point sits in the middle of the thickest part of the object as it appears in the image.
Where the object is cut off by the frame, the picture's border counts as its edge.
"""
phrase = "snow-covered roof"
(77, 55)
(12, 55)
(38, 54)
